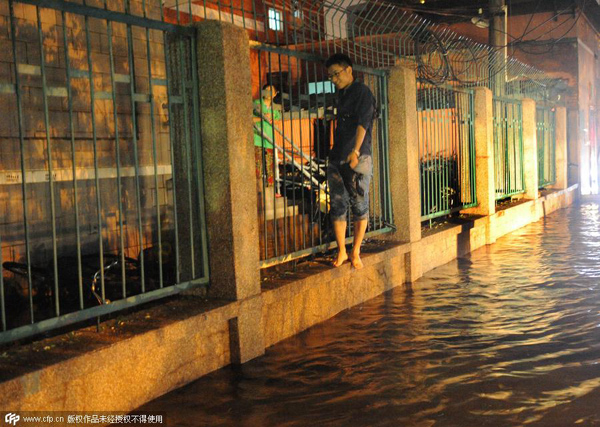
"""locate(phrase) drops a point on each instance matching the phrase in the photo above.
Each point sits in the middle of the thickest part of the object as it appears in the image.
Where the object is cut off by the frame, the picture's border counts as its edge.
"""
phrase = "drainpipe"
(498, 40)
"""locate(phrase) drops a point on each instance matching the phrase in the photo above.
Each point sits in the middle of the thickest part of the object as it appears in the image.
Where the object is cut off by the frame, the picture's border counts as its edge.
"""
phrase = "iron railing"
(101, 168)
(546, 145)
(508, 147)
(293, 137)
(446, 134)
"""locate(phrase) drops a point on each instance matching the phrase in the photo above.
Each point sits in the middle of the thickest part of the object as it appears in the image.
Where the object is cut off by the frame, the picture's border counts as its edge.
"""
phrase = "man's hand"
(352, 159)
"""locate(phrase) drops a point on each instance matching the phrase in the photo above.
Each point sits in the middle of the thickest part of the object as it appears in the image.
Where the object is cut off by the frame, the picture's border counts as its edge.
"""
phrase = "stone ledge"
(445, 245)
(124, 364)
(319, 292)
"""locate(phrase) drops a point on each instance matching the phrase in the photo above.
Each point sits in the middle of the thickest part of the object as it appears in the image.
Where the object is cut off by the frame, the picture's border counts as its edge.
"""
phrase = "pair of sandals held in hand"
(351, 180)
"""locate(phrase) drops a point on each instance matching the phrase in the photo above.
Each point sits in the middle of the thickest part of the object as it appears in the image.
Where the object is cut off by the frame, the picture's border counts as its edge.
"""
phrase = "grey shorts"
(339, 196)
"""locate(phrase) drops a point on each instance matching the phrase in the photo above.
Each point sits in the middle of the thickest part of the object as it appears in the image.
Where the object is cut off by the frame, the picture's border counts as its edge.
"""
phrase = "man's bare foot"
(341, 258)
(356, 261)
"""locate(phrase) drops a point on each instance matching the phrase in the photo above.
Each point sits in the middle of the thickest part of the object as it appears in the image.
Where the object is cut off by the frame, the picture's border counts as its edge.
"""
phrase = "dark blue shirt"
(355, 106)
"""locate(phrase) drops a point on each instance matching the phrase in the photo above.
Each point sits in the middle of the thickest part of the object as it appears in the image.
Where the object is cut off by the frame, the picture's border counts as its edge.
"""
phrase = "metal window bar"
(508, 147)
(105, 197)
(546, 145)
(445, 128)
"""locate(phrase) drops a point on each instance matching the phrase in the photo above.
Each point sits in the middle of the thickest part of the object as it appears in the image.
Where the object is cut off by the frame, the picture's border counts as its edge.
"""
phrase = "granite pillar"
(484, 154)
(230, 180)
(561, 157)
(404, 165)
(530, 152)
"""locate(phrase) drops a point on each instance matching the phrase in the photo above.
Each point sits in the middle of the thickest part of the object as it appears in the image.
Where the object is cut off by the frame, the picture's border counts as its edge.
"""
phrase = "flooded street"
(506, 336)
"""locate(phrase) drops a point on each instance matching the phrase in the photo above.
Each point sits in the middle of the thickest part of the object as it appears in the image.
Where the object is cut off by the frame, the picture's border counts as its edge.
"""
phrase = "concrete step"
(276, 207)
(288, 211)
(274, 203)
(268, 197)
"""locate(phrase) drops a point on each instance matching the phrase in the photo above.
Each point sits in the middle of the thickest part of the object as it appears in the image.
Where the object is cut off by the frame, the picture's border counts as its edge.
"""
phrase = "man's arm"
(358, 140)
(364, 112)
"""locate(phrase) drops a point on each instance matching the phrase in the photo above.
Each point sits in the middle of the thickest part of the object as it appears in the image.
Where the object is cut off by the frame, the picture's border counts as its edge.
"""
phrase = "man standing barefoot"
(350, 163)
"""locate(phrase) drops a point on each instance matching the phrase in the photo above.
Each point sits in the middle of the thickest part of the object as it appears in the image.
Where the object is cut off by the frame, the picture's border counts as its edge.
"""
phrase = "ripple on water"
(509, 335)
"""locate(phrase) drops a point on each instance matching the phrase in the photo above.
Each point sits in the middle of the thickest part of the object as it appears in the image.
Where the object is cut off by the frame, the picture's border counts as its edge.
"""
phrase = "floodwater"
(507, 336)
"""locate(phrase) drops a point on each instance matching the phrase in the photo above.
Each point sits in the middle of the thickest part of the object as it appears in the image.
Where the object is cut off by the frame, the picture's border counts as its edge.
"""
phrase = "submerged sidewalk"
(504, 336)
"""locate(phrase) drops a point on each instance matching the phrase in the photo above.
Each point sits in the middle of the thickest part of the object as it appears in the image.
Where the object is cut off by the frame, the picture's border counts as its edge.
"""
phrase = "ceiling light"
(480, 22)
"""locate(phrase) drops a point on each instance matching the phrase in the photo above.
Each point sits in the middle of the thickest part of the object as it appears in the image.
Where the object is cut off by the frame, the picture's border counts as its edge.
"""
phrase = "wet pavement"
(506, 336)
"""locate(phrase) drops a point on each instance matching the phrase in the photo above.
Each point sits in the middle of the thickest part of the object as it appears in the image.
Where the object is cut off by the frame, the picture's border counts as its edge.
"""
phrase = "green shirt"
(267, 129)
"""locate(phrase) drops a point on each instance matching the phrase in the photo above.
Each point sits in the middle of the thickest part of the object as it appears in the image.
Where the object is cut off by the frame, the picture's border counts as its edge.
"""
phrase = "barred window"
(274, 19)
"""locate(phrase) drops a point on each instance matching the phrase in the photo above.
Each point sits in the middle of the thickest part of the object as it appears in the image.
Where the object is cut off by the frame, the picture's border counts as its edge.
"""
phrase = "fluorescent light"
(480, 22)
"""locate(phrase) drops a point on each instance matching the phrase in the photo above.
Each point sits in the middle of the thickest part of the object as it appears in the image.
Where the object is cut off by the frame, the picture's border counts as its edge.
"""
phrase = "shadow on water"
(506, 336)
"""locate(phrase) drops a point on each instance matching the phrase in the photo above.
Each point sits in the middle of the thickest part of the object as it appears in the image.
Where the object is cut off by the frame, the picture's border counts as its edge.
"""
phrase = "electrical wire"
(495, 49)
(537, 5)
(555, 41)
(527, 31)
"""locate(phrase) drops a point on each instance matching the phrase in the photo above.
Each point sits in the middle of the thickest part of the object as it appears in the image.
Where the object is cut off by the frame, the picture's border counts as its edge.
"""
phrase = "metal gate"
(446, 132)
(508, 147)
(546, 145)
(101, 179)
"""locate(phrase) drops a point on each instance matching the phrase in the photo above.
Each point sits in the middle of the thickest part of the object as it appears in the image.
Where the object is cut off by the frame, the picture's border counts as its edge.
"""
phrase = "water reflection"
(507, 336)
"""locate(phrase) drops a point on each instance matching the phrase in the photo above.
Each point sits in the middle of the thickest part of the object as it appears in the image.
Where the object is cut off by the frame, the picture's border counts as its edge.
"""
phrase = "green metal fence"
(546, 145)
(508, 147)
(446, 149)
(101, 167)
(100, 157)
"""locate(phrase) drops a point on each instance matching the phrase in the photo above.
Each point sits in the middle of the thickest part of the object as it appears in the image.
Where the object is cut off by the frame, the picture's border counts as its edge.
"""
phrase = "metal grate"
(508, 147)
